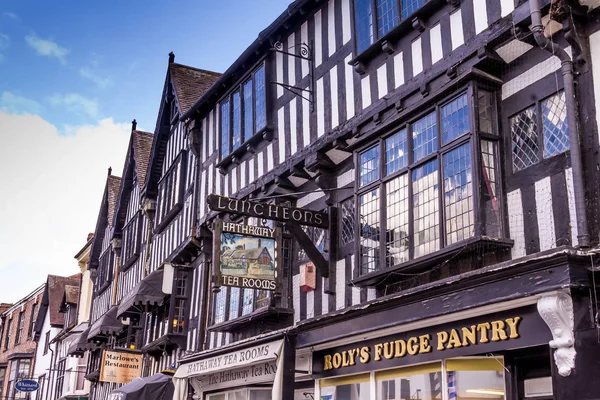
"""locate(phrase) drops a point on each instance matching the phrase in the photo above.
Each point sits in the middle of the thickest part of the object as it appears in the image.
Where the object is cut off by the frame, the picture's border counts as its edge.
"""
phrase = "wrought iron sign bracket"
(306, 54)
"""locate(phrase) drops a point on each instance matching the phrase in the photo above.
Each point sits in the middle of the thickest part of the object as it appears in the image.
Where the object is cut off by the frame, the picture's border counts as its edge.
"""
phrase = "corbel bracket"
(557, 311)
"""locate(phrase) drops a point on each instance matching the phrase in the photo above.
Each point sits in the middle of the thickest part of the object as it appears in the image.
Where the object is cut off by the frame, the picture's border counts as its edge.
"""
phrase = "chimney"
(89, 236)
(109, 171)
(171, 58)
(133, 125)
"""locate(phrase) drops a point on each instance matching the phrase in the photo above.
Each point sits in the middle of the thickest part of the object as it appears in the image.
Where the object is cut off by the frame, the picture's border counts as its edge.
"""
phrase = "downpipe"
(583, 235)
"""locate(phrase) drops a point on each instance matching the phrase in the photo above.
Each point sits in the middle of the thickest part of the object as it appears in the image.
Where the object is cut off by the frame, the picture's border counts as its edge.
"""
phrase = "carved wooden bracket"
(557, 312)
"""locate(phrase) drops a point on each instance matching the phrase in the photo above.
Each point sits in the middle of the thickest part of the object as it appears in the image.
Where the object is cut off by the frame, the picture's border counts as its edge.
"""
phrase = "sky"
(73, 75)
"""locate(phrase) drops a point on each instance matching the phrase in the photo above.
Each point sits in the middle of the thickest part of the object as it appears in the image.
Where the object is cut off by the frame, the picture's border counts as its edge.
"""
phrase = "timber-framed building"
(452, 147)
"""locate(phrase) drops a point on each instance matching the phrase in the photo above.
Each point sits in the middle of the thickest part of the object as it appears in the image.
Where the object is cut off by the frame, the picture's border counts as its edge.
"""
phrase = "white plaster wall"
(43, 362)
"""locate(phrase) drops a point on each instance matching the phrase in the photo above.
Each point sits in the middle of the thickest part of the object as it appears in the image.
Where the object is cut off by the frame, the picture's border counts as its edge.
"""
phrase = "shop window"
(20, 327)
(374, 19)
(171, 191)
(243, 112)
(356, 387)
(539, 131)
(416, 186)
(19, 369)
(418, 382)
(475, 378)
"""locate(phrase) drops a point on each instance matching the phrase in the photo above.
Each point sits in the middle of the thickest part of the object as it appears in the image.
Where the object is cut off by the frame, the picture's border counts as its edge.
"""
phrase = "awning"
(80, 344)
(148, 291)
(107, 325)
(155, 387)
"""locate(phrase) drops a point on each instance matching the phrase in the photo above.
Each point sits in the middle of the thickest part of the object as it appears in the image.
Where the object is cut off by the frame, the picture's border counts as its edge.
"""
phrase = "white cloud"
(4, 43)
(12, 15)
(97, 79)
(47, 47)
(76, 103)
(15, 104)
(52, 186)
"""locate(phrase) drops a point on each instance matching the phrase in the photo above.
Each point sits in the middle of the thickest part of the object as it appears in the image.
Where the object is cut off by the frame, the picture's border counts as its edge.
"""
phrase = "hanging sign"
(120, 366)
(247, 256)
(268, 211)
(27, 385)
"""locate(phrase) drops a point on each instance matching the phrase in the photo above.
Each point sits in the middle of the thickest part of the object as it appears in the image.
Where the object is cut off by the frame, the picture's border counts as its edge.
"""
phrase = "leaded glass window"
(387, 16)
(421, 196)
(364, 24)
(347, 218)
(409, 7)
(539, 131)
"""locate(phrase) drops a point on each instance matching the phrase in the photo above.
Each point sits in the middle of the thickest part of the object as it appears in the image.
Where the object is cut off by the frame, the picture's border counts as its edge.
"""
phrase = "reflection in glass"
(425, 208)
(476, 384)
(556, 130)
(248, 118)
(489, 185)
(261, 99)
(234, 302)
(369, 165)
(354, 391)
(424, 133)
(225, 128)
(369, 231)
(396, 156)
(523, 131)
(455, 119)
(387, 16)
(486, 111)
(397, 220)
(363, 10)
(237, 121)
(422, 385)
(458, 194)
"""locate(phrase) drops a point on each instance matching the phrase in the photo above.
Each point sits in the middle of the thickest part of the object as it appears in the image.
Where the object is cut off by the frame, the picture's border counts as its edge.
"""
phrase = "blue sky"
(73, 74)
(75, 62)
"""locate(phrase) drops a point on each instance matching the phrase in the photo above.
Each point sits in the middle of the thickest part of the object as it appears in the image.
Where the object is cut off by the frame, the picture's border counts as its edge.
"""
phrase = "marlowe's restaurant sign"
(228, 361)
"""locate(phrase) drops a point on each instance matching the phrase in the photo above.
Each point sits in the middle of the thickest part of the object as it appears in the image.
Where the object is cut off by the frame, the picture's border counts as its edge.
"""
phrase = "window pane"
(484, 379)
(263, 298)
(485, 104)
(426, 208)
(220, 301)
(348, 219)
(369, 231)
(234, 302)
(455, 118)
(523, 131)
(490, 182)
(409, 7)
(225, 128)
(458, 194)
(387, 16)
(556, 131)
(355, 391)
(248, 301)
(397, 221)
(248, 119)
(396, 157)
(260, 99)
(424, 136)
(237, 121)
(364, 24)
(369, 165)
(419, 386)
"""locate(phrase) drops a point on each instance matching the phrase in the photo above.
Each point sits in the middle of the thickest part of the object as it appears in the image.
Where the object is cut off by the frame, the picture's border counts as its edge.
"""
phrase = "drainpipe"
(50, 373)
(537, 28)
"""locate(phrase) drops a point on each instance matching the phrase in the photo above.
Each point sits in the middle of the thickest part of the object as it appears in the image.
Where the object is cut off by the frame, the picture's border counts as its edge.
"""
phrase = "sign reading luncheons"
(120, 366)
(249, 256)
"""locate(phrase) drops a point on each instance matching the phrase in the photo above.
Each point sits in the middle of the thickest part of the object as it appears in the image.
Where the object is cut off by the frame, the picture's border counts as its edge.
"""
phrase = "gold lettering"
(454, 340)
(345, 361)
(378, 351)
(388, 350)
(327, 362)
(352, 356)
(442, 338)
(400, 348)
(411, 346)
(424, 346)
(483, 332)
(513, 325)
(469, 335)
(498, 331)
(337, 360)
(364, 355)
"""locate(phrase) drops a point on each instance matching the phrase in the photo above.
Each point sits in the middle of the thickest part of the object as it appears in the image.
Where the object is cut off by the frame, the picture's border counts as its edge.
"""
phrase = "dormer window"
(243, 112)
(375, 18)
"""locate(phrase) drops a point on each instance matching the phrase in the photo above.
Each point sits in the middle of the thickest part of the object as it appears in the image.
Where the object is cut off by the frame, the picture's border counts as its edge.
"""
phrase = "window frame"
(164, 217)
(60, 376)
(46, 342)
(7, 337)
(238, 87)
(105, 269)
(472, 137)
(20, 327)
(132, 242)
(32, 320)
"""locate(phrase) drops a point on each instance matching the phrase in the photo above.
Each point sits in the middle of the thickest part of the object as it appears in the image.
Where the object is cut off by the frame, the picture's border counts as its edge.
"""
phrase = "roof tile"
(114, 184)
(56, 291)
(190, 83)
(142, 148)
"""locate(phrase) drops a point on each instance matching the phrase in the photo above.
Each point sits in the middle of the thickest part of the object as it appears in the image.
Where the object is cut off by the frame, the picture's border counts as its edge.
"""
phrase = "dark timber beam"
(309, 248)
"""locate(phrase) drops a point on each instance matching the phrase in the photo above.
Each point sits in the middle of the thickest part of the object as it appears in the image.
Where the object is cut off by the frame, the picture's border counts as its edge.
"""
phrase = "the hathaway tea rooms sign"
(120, 366)
(248, 256)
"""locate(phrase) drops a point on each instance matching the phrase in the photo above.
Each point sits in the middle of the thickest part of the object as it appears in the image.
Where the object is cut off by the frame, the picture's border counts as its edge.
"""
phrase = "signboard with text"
(120, 366)
(248, 256)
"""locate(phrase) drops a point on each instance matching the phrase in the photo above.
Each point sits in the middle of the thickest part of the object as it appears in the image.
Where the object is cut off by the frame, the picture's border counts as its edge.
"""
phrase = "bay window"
(375, 18)
(430, 184)
(243, 112)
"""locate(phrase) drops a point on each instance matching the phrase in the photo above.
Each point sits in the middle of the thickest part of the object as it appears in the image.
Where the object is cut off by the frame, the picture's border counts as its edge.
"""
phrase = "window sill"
(245, 151)
(261, 314)
(387, 43)
(168, 218)
(422, 263)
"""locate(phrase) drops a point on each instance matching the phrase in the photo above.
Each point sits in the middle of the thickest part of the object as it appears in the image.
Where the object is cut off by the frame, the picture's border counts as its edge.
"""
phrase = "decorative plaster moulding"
(557, 312)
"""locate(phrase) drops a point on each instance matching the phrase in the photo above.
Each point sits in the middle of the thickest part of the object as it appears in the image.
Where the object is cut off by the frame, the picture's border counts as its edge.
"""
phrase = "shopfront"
(483, 357)
(252, 370)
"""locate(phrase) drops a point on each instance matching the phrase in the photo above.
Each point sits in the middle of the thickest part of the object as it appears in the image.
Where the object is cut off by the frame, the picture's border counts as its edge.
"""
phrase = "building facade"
(427, 172)
(18, 343)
